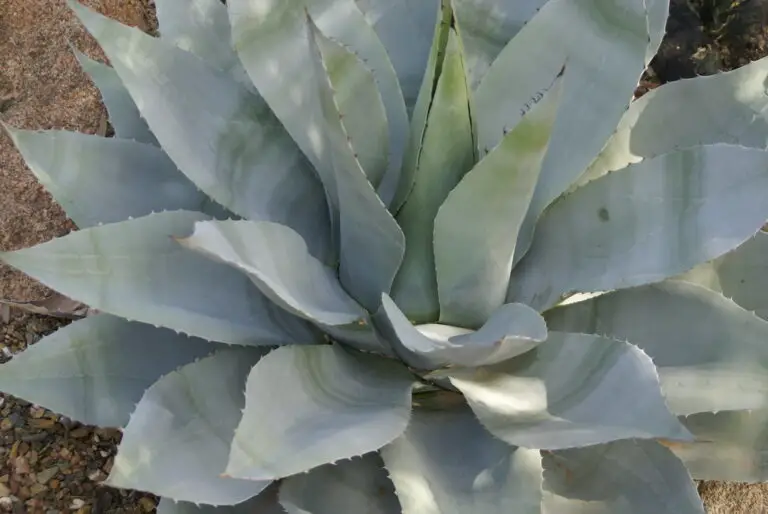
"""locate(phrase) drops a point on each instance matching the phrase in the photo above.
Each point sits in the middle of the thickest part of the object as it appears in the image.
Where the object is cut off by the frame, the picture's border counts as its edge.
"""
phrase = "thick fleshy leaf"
(359, 103)
(602, 45)
(650, 221)
(447, 154)
(573, 390)
(265, 503)
(332, 405)
(741, 275)
(277, 260)
(202, 28)
(686, 109)
(370, 241)
(447, 463)
(405, 28)
(123, 113)
(476, 228)
(360, 484)
(729, 446)
(627, 477)
(219, 134)
(422, 107)
(177, 441)
(271, 39)
(486, 26)
(710, 353)
(510, 331)
(134, 269)
(96, 369)
(106, 180)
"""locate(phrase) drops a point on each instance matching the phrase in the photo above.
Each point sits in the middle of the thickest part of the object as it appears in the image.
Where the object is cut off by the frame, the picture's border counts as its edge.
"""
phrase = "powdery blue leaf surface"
(202, 28)
(447, 153)
(404, 28)
(729, 446)
(123, 113)
(358, 100)
(710, 353)
(134, 269)
(741, 275)
(360, 484)
(422, 107)
(486, 26)
(573, 390)
(510, 331)
(106, 180)
(221, 135)
(603, 45)
(652, 220)
(333, 405)
(476, 227)
(370, 241)
(265, 503)
(97, 368)
(729, 107)
(447, 463)
(272, 42)
(632, 477)
(277, 260)
(177, 441)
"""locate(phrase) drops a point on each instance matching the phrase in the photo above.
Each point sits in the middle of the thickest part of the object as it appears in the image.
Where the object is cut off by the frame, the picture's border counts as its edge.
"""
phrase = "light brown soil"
(48, 464)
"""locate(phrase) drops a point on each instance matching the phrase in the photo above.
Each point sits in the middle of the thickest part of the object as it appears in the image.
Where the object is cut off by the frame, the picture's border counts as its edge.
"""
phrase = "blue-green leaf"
(573, 390)
(106, 180)
(627, 477)
(134, 269)
(177, 441)
(359, 103)
(96, 369)
(371, 243)
(405, 28)
(602, 44)
(486, 26)
(447, 463)
(741, 275)
(422, 107)
(271, 39)
(447, 153)
(332, 405)
(650, 221)
(358, 485)
(202, 28)
(730, 446)
(510, 331)
(710, 353)
(277, 260)
(729, 107)
(219, 134)
(477, 226)
(123, 113)
(265, 503)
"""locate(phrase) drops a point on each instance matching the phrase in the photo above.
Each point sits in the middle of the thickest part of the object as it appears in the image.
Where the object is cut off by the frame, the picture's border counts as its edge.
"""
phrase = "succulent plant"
(419, 257)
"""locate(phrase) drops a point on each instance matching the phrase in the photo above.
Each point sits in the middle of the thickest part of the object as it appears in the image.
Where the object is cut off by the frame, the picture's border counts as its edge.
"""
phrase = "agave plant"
(419, 257)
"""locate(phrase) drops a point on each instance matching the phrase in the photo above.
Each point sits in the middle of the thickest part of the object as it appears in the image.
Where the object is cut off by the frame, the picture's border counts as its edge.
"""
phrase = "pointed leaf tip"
(334, 404)
(573, 390)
